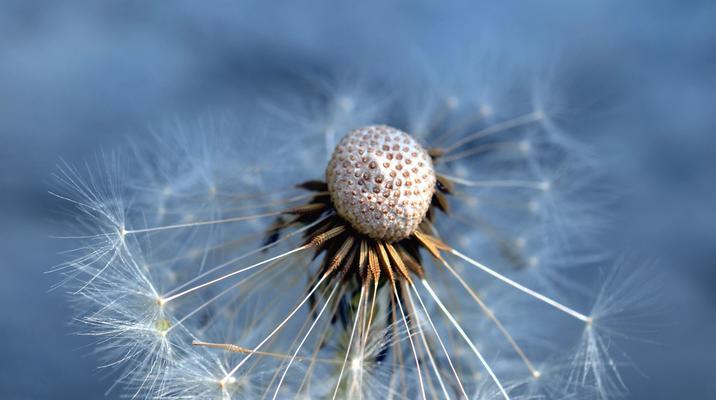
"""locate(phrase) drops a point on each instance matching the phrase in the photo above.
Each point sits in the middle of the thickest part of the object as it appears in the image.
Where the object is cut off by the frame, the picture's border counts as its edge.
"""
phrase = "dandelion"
(395, 265)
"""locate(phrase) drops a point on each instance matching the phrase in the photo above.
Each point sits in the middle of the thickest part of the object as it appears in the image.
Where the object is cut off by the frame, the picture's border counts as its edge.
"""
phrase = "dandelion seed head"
(193, 274)
(382, 181)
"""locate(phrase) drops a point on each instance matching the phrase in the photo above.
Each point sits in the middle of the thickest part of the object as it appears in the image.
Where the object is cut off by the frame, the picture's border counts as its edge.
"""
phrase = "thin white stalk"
(201, 223)
(481, 149)
(310, 329)
(314, 358)
(100, 272)
(223, 277)
(412, 344)
(276, 202)
(500, 127)
(461, 125)
(524, 289)
(372, 309)
(364, 332)
(494, 319)
(211, 300)
(250, 253)
(437, 335)
(350, 343)
(501, 183)
(270, 335)
(465, 337)
(427, 348)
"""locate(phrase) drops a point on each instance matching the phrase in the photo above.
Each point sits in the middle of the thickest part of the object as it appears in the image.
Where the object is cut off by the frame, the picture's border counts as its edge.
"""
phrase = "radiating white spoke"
(421, 333)
(442, 345)
(96, 275)
(517, 145)
(250, 253)
(350, 343)
(211, 300)
(462, 125)
(501, 183)
(500, 127)
(310, 329)
(494, 319)
(277, 202)
(524, 289)
(412, 344)
(221, 278)
(202, 223)
(278, 328)
(462, 333)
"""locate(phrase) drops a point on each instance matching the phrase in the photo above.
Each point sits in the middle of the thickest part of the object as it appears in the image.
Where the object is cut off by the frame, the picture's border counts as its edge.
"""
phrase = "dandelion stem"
(465, 337)
(524, 289)
(500, 127)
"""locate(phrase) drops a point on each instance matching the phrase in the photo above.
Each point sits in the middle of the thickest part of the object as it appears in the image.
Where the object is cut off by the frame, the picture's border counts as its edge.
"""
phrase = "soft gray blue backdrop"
(80, 76)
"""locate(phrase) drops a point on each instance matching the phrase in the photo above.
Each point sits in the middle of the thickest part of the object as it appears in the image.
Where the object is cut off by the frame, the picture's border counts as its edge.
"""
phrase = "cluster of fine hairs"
(434, 252)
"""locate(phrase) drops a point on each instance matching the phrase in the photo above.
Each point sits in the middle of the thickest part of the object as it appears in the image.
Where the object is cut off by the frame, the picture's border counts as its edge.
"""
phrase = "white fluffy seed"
(381, 181)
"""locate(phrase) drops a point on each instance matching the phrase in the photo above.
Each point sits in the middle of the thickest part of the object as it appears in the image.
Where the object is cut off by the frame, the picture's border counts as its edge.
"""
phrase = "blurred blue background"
(80, 76)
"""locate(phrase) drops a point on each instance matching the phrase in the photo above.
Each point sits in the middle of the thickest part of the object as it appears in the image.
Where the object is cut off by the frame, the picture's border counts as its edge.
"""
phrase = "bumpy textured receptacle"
(381, 181)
